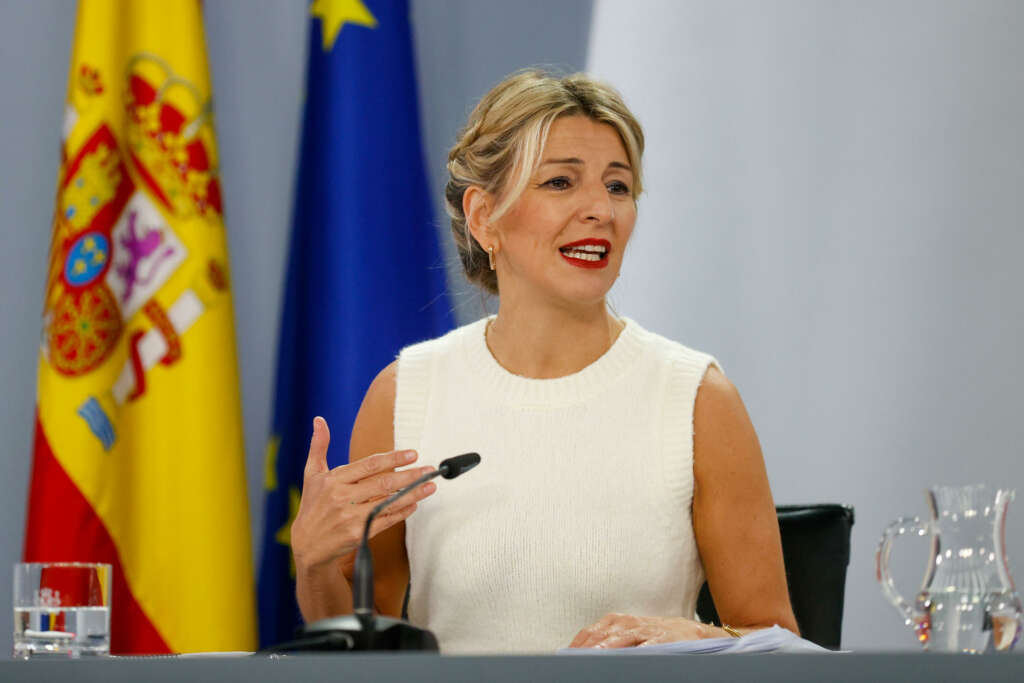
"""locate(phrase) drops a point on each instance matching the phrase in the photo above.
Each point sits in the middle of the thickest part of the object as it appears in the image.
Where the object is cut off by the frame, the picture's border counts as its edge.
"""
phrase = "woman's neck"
(545, 343)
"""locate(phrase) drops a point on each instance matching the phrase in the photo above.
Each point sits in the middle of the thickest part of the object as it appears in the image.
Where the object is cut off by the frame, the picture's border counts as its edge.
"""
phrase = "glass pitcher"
(967, 601)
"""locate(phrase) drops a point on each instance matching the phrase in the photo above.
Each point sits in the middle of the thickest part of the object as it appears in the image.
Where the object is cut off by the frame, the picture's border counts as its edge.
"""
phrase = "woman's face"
(564, 238)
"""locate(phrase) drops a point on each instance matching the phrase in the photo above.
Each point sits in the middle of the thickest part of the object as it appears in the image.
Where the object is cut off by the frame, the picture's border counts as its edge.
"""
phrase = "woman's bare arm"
(374, 432)
(734, 516)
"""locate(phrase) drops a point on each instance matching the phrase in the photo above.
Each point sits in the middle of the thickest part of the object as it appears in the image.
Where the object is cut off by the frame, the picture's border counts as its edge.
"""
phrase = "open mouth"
(588, 253)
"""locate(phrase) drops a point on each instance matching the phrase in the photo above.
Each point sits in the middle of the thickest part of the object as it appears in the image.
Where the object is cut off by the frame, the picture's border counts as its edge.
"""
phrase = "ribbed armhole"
(412, 388)
(687, 372)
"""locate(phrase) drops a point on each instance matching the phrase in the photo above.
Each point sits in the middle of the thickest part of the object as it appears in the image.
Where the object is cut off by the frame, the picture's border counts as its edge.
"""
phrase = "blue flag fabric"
(365, 275)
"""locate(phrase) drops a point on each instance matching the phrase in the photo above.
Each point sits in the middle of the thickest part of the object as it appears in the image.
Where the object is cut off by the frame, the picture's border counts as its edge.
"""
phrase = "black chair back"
(816, 549)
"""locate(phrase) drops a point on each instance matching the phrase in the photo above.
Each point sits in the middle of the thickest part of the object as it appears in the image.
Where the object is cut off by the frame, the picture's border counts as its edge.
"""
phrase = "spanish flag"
(138, 442)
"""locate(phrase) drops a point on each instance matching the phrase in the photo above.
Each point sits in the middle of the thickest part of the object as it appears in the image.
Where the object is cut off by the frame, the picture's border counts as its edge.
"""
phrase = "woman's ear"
(476, 205)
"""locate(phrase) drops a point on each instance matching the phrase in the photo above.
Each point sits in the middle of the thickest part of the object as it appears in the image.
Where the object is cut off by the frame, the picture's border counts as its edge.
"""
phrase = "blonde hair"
(501, 146)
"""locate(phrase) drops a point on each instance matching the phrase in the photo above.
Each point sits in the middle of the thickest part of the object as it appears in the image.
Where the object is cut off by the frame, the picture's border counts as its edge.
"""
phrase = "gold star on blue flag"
(333, 15)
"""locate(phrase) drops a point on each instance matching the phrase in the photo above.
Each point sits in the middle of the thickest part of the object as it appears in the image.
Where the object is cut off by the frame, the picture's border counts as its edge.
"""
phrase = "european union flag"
(365, 275)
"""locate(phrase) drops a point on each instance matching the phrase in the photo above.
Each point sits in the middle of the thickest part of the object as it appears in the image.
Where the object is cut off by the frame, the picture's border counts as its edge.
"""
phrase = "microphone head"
(454, 466)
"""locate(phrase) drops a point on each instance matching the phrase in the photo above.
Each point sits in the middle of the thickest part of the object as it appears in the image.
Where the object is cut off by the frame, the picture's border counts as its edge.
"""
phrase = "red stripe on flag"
(63, 527)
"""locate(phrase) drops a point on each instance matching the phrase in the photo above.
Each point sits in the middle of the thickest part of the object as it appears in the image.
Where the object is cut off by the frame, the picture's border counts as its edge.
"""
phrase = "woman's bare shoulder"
(717, 397)
(373, 431)
(724, 439)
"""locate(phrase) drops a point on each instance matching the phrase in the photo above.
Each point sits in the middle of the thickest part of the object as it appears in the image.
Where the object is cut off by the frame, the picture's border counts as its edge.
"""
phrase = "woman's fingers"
(400, 510)
(335, 530)
(610, 625)
(588, 637)
(394, 513)
(628, 638)
(386, 520)
(316, 460)
(582, 637)
(380, 486)
(592, 634)
(412, 498)
(374, 464)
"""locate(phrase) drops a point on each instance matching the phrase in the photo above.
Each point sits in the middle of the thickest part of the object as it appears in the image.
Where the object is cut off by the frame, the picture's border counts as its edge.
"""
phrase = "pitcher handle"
(902, 526)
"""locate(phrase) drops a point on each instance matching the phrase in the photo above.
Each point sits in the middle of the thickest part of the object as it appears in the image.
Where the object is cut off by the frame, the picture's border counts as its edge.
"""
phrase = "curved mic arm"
(393, 497)
(362, 576)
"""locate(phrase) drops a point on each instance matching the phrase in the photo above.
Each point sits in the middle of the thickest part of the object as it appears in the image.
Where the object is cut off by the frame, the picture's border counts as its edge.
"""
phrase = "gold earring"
(490, 257)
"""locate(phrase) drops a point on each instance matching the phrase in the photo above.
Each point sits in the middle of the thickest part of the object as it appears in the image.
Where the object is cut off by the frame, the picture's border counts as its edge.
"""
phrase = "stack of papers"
(774, 639)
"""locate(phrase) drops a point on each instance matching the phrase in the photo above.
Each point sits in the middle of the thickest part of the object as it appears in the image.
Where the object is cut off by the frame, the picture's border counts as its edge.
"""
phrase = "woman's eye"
(560, 183)
(618, 187)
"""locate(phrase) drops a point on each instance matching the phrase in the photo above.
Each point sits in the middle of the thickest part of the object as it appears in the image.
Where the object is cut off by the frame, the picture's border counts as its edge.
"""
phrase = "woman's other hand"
(624, 630)
(336, 502)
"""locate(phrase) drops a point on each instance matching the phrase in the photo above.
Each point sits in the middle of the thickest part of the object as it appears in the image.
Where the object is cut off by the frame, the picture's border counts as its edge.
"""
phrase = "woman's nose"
(597, 205)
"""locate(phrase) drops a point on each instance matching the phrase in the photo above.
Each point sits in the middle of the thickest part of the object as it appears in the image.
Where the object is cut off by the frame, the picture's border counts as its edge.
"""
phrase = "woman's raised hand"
(335, 502)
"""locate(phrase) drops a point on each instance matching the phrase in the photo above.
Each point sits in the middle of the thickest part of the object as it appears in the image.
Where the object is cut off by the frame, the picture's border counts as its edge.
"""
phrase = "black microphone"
(453, 467)
(362, 578)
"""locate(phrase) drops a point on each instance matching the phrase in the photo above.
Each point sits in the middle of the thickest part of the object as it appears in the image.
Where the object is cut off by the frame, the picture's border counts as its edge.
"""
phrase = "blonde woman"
(619, 468)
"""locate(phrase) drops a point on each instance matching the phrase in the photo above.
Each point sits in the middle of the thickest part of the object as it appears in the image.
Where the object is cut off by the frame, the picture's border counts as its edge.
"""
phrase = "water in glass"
(61, 609)
(64, 632)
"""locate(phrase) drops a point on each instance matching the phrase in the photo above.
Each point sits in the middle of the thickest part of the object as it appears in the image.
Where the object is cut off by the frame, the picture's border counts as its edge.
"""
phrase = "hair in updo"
(501, 146)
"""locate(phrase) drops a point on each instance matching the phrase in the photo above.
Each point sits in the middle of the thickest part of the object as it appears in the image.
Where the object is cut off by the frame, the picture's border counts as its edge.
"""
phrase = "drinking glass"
(61, 609)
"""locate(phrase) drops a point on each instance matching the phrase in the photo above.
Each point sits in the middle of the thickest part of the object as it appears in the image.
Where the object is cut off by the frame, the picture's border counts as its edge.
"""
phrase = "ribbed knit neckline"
(528, 391)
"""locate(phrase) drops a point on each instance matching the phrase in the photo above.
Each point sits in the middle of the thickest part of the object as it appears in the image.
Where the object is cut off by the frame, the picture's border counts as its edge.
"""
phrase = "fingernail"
(430, 487)
(424, 470)
(409, 456)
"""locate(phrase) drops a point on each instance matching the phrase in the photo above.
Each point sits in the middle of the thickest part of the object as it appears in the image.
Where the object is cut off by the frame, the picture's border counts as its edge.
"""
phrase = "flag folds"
(365, 277)
(138, 457)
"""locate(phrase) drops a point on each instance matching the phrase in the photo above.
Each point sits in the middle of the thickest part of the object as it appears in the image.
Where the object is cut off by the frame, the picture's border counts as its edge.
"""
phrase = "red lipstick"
(583, 253)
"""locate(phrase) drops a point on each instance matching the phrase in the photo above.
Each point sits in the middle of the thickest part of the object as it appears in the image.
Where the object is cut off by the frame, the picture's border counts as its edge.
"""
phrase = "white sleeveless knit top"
(580, 505)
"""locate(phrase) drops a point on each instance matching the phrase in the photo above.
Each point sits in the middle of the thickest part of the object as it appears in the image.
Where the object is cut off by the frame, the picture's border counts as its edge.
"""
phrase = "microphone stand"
(363, 630)
(362, 576)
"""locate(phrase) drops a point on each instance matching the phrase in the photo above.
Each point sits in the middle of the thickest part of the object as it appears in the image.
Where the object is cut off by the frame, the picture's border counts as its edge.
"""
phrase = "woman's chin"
(570, 293)
(585, 297)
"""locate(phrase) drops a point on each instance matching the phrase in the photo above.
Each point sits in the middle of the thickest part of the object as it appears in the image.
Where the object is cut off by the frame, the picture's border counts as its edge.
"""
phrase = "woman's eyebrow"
(575, 160)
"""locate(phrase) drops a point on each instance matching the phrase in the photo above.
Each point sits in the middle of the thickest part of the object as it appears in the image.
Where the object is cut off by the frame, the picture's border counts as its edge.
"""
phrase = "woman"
(619, 468)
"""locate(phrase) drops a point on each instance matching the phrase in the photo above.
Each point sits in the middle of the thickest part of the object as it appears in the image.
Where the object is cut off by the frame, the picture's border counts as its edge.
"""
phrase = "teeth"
(582, 255)
(585, 248)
